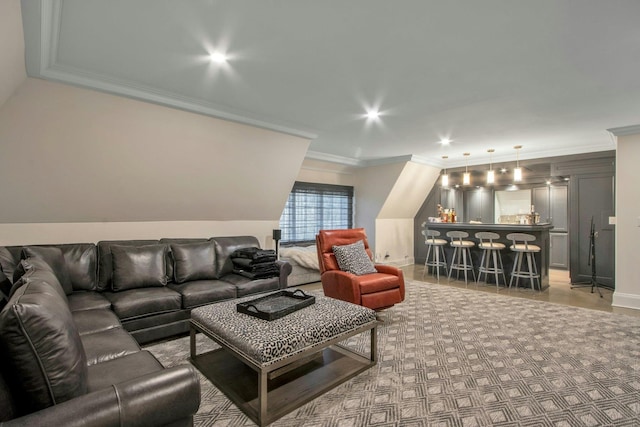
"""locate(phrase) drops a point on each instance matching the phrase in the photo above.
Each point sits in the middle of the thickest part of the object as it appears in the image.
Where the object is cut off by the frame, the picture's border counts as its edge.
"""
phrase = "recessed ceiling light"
(218, 57)
(445, 141)
(373, 114)
(503, 170)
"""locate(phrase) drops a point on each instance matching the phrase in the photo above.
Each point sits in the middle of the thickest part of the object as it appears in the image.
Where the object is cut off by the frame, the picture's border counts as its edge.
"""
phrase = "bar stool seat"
(523, 249)
(435, 249)
(491, 252)
(461, 253)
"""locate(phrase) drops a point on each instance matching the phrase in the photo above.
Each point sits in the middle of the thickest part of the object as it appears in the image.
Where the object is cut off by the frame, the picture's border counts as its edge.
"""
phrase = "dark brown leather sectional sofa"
(75, 317)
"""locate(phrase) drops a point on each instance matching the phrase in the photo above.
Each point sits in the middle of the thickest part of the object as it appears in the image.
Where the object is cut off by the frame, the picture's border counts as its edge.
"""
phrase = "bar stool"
(491, 252)
(461, 249)
(438, 249)
(522, 248)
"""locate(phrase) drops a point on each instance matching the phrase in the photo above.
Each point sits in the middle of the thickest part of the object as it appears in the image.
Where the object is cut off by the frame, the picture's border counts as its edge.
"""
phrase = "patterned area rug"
(457, 357)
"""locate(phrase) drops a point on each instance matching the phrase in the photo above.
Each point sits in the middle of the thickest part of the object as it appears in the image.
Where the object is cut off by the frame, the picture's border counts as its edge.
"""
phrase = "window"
(312, 207)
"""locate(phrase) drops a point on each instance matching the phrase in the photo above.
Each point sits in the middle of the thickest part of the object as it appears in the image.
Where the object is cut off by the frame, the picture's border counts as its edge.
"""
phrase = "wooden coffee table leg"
(374, 345)
(262, 395)
(192, 341)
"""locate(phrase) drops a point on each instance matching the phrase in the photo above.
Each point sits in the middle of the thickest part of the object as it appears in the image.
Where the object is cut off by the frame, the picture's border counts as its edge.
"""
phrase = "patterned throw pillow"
(354, 259)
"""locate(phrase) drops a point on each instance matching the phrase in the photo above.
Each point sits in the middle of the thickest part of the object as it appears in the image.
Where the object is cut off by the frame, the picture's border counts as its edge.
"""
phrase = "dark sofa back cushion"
(54, 258)
(44, 272)
(225, 246)
(5, 289)
(46, 363)
(138, 266)
(80, 258)
(194, 261)
(82, 261)
(9, 259)
(105, 269)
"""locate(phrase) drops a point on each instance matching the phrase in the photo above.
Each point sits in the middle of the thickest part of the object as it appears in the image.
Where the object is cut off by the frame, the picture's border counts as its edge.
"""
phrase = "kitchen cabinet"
(478, 205)
(559, 250)
(559, 208)
(551, 202)
(451, 198)
(540, 201)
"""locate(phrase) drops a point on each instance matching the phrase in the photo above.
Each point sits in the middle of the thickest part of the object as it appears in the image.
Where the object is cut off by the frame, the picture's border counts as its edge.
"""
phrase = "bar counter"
(540, 231)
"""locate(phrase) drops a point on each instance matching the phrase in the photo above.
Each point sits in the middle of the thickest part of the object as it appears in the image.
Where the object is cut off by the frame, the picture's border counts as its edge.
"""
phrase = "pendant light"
(517, 172)
(466, 178)
(491, 176)
(445, 176)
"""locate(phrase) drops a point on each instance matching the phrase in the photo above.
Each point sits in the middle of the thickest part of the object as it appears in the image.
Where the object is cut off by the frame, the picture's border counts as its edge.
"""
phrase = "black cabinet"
(592, 199)
(559, 250)
(551, 202)
(478, 205)
(559, 208)
(451, 198)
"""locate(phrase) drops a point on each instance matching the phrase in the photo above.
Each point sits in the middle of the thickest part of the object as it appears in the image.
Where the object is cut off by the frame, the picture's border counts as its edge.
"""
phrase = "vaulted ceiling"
(550, 75)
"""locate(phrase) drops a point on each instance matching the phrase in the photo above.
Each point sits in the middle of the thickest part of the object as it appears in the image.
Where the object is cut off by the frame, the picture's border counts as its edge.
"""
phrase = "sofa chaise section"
(81, 368)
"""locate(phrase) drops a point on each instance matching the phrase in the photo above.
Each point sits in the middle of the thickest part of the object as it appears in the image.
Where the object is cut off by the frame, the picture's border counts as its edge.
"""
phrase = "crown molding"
(625, 130)
(332, 158)
(50, 20)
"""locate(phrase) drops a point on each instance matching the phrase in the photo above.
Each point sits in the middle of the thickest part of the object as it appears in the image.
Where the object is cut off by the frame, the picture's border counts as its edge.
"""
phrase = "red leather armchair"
(376, 291)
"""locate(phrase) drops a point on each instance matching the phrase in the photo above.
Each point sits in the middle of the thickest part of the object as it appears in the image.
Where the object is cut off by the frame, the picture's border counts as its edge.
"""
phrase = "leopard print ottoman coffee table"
(270, 368)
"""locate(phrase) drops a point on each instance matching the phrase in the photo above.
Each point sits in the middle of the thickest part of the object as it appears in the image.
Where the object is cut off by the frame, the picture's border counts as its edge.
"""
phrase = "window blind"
(312, 207)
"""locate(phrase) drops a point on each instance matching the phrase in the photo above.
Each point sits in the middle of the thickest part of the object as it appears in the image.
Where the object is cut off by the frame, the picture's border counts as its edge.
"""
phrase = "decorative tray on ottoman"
(276, 305)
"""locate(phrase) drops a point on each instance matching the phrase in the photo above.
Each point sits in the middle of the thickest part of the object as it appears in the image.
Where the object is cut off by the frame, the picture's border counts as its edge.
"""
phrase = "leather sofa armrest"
(161, 398)
(341, 285)
(285, 271)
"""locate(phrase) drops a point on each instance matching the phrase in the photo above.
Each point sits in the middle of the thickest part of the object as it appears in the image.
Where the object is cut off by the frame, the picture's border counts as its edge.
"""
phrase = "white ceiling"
(550, 75)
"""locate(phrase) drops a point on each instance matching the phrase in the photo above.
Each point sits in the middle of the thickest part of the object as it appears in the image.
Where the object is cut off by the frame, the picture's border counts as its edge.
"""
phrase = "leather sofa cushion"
(52, 256)
(121, 369)
(5, 289)
(7, 405)
(225, 246)
(87, 300)
(143, 302)
(81, 259)
(92, 321)
(201, 292)
(41, 344)
(246, 286)
(44, 273)
(138, 266)
(105, 268)
(9, 258)
(107, 345)
(193, 261)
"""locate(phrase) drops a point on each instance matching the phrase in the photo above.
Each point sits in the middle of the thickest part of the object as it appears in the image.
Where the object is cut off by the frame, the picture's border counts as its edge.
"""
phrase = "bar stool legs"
(435, 249)
(491, 252)
(523, 248)
(461, 259)
(435, 252)
(492, 264)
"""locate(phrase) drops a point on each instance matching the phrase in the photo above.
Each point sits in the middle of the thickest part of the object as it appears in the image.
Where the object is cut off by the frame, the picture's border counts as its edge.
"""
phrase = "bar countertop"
(487, 226)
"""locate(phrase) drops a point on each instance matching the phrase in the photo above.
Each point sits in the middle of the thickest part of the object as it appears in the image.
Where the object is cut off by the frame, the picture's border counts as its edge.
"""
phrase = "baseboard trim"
(400, 262)
(626, 300)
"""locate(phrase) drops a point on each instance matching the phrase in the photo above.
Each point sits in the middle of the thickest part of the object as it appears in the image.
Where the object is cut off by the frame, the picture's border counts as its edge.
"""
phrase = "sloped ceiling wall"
(409, 191)
(76, 155)
(12, 67)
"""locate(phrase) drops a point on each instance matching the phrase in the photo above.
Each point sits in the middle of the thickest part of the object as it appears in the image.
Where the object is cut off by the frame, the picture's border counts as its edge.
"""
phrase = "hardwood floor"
(559, 291)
